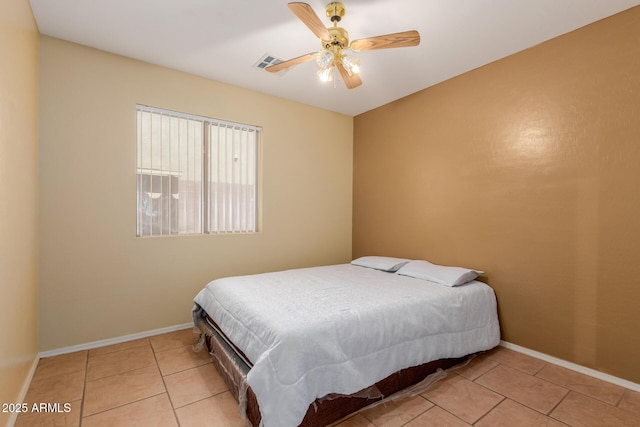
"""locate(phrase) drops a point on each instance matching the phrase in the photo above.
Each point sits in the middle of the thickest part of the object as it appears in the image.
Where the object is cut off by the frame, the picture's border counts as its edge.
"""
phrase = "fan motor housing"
(339, 37)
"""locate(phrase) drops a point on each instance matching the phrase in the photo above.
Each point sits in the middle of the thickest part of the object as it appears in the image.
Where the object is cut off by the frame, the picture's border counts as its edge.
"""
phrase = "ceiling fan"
(335, 41)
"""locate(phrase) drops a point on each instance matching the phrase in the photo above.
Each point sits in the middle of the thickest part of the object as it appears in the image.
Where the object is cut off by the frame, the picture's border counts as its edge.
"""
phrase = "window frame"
(206, 185)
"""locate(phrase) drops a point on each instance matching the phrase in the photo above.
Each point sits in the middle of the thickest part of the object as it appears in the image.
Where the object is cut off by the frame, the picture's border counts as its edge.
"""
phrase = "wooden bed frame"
(322, 412)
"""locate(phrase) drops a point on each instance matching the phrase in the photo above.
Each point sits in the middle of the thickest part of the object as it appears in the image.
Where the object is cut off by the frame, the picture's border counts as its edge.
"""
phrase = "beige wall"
(528, 168)
(18, 197)
(97, 279)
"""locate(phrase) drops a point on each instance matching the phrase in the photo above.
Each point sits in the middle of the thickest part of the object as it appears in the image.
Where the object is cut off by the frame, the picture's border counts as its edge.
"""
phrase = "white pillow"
(448, 276)
(383, 263)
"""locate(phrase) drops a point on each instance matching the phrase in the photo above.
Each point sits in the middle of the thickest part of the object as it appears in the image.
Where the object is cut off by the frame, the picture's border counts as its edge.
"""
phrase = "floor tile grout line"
(121, 373)
(64, 374)
(172, 348)
(447, 411)
(548, 414)
(125, 404)
(485, 373)
(522, 356)
(492, 408)
(183, 370)
(555, 407)
(155, 352)
(84, 389)
(164, 384)
(205, 398)
(405, 423)
(544, 365)
(117, 351)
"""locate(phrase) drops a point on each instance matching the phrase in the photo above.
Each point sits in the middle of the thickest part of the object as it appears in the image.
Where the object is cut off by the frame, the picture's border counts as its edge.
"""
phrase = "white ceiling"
(223, 40)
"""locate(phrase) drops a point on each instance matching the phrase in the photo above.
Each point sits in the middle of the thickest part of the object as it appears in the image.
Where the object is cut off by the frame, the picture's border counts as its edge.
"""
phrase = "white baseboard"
(13, 416)
(111, 341)
(573, 366)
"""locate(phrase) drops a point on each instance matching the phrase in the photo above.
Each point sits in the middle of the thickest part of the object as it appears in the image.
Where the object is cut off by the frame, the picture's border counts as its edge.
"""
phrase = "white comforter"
(338, 329)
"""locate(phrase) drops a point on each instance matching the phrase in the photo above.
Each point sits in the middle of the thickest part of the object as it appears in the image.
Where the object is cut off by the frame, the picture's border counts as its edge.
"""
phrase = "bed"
(309, 346)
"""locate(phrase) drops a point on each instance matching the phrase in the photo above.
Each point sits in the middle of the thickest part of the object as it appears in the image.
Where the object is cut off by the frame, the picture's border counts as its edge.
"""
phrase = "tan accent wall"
(527, 168)
(18, 198)
(98, 280)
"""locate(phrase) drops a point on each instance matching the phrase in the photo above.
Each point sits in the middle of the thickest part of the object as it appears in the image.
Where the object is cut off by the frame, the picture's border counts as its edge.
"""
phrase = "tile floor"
(160, 381)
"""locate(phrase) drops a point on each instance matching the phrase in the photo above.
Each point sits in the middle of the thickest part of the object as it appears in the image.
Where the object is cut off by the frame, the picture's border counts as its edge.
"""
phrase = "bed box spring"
(322, 412)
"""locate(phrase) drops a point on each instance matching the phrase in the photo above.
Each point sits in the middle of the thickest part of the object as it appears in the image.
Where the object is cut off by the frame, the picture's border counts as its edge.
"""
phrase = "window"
(195, 175)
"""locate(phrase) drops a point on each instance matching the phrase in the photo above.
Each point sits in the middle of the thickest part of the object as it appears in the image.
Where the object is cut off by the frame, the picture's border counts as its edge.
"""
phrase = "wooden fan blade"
(305, 13)
(404, 39)
(351, 81)
(290, 63)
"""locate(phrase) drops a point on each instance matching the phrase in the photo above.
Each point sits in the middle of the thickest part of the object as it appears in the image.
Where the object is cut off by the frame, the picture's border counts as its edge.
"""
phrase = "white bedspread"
(338, 329)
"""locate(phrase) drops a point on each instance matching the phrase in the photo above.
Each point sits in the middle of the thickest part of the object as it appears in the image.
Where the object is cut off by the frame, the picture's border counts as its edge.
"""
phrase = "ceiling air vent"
(267, 60)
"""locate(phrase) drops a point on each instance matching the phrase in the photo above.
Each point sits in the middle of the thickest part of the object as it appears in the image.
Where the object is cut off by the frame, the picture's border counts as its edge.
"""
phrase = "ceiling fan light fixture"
(352, 65)
(324, 58)
(326, 74)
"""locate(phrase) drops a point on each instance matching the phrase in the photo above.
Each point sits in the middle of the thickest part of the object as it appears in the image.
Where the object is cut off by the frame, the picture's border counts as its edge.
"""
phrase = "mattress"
(327, 410)
(318, 331)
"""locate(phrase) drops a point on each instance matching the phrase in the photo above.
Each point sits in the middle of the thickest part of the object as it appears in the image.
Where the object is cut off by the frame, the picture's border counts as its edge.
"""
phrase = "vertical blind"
(232, 176)
(195, 174)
